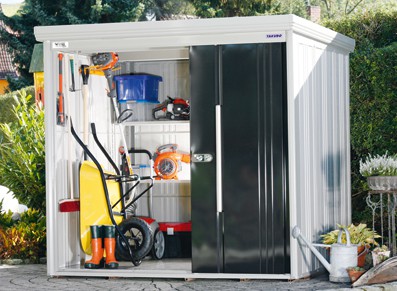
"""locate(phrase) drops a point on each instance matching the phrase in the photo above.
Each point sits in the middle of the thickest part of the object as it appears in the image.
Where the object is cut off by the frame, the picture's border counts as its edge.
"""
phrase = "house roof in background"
(7, 68)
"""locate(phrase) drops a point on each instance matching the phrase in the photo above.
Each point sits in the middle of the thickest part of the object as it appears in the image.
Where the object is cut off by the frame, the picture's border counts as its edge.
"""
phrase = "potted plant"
(380, 254)
(360, 235)
(381, 171)
(355, 273)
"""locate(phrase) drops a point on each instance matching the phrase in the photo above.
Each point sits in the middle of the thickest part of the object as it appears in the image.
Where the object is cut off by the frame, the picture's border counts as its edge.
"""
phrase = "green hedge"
(24, 238)
(373, 110)
(375, 28)
(7, 102)
(22, 153)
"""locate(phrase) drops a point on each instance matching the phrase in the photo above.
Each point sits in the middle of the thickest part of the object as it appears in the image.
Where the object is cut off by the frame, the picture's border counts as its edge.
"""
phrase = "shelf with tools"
(153, 122)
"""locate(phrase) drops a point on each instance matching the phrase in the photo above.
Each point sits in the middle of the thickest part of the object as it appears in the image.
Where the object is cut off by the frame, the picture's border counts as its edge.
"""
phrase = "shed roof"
(182, 33)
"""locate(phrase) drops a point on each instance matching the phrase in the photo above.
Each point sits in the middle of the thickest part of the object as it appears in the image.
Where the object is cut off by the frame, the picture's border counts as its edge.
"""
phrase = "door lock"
(202, 158)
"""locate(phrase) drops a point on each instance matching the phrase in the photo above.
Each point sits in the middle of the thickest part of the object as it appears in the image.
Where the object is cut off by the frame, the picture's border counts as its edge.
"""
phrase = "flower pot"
(382, 182)
(379, 257)
(361, 254)
(354, 275)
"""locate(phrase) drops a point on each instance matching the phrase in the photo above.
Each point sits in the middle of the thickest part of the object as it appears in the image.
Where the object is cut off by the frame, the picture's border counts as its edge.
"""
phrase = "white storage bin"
(137, 111)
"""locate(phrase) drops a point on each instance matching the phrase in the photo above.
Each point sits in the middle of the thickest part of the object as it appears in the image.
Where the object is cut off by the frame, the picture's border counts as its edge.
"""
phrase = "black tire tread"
(122, 253)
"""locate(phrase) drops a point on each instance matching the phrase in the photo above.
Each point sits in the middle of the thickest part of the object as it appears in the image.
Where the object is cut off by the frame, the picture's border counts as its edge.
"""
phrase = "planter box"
(382, 182)
(380, 257)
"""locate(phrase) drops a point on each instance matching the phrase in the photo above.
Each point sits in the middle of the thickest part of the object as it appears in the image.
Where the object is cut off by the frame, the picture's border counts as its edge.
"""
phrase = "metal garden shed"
(268, 138)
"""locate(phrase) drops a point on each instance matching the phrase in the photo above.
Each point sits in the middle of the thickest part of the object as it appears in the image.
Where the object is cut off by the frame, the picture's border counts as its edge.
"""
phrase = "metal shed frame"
(318, 121)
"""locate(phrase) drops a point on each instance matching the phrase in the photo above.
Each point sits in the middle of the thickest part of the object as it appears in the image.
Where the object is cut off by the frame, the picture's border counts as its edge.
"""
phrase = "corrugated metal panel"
(171, 201)
(321, 144)
(167, 197)
(64, 227)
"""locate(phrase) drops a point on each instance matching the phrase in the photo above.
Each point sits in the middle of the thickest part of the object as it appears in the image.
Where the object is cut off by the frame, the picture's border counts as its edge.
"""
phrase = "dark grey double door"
(238, 104)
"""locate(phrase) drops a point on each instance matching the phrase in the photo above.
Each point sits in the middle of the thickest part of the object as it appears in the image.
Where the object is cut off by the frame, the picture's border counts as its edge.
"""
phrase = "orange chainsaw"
(167, 162)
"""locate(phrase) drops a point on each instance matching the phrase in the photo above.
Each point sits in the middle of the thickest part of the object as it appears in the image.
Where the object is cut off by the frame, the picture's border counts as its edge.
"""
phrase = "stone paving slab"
(34, 277)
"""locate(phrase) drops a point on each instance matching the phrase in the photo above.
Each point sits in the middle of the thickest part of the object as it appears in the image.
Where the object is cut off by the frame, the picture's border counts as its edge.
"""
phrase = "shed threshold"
(166, 268)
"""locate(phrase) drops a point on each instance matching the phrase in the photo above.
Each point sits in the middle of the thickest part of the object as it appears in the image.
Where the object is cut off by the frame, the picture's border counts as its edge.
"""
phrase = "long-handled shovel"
(70, 204)
(60, 109)
(106, 62)
(85, 73)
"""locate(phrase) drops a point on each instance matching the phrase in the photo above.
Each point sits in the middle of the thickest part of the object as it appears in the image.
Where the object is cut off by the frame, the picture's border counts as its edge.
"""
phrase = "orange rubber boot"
(96, 261)
(110, 247)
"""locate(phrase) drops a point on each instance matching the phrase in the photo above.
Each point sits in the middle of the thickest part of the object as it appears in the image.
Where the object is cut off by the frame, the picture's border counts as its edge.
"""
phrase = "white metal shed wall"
(319, 144)
(63, 242)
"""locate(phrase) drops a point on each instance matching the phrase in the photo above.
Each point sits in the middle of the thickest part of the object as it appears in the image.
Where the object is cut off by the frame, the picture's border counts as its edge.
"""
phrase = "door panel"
(240, 158)
(203, 70)
(273, 159)
(251, 235)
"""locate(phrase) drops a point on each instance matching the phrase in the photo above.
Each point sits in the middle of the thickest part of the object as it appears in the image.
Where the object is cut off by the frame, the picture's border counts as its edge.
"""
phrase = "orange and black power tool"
(173, 109)
(168, 162)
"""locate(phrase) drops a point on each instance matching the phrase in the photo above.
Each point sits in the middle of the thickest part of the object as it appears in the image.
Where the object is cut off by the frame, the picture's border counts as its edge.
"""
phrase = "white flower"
(379, 166)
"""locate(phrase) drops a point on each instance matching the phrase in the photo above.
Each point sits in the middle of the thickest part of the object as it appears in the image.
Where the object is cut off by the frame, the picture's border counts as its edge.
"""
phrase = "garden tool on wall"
(106, 62)
(173, 108)
(72, 86)
(167, 162)
(60, 109)
(70, 204)
(85, 73)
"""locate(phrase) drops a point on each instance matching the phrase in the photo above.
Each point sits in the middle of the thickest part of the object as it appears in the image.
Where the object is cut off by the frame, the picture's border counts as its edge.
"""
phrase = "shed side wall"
(63, 237)
(319, 127)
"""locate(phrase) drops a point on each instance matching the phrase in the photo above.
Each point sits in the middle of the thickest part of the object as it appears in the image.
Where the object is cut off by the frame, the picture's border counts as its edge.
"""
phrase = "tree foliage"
(337, 9)
(221, 8)
(20, 37)
(370, 29)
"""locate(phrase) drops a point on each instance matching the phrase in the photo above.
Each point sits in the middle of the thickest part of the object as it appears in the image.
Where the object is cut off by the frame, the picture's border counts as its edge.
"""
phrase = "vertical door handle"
(218, 139)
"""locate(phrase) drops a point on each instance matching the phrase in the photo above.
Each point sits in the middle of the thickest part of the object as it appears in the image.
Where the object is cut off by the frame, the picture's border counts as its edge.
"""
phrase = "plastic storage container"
(178, 239)
(138, 88)
(137, 111)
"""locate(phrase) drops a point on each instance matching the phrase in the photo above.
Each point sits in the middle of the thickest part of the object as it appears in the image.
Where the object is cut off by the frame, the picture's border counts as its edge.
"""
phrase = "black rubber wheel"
(158, 248)
(140, 238)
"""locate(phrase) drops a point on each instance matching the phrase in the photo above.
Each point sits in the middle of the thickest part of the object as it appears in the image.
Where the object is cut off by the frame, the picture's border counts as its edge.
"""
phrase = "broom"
(70, 204)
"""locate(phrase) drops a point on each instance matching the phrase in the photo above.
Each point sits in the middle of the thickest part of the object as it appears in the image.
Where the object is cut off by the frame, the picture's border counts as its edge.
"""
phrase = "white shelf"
(156, 122)
(166, 181)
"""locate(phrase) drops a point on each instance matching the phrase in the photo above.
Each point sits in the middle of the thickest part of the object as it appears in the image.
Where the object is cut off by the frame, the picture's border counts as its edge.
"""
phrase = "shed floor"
(184, 265)
(173, 265)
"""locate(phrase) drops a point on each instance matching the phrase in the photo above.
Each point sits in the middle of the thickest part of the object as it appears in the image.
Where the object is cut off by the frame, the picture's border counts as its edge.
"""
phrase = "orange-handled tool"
(60, 110)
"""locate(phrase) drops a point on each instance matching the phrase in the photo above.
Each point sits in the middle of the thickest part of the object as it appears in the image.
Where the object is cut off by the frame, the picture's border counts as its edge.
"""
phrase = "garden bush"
(375, 28)
(22, 153)
(5, 217)
(24, 239)
(7, 101)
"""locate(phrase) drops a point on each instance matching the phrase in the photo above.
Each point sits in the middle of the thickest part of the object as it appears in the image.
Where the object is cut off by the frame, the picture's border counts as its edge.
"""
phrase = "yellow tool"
(93, 203)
